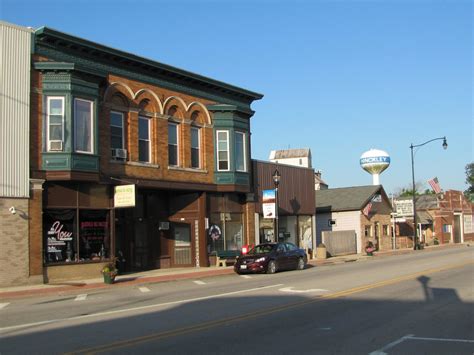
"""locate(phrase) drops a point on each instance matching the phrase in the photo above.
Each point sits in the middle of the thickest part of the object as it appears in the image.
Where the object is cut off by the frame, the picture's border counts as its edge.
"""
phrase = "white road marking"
(133, 309)
(246, 276)
(144, 289)
(3, 305)
(412, 337)
(291, 290)
(442, 339)
(325, 328)
(199, 282)
(81, 297)
(390, 345)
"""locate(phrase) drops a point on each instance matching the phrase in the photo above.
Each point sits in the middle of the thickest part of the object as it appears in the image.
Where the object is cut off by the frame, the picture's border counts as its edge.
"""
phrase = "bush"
(110, 269)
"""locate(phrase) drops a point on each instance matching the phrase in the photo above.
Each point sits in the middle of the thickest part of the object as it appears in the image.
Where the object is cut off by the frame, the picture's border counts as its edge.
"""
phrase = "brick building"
(101, 119)
(443, 218)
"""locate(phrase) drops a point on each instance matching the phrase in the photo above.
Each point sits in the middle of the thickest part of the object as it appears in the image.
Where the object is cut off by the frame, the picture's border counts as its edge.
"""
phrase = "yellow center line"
(256, 314)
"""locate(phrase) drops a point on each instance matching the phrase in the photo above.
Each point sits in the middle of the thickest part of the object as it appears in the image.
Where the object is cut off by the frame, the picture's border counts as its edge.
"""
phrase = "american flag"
(435, 185)
(367, 209)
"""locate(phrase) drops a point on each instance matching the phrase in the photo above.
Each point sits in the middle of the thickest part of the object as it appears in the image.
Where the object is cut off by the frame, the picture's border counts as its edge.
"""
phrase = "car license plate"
(243, 267)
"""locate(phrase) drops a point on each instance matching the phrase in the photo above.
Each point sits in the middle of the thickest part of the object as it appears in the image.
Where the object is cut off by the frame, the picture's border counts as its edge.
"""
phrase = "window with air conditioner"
(117, 143)
(55, 123)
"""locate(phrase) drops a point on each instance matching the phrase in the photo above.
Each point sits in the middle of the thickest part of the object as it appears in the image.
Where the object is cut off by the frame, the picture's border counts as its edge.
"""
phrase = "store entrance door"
(457, 228)
(181, 244)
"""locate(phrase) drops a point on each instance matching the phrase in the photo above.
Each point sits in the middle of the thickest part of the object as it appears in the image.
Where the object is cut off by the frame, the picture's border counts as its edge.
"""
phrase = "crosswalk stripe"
(3, 305)
(81, 297)
(144, 289)
(199, 282)
(246, 276)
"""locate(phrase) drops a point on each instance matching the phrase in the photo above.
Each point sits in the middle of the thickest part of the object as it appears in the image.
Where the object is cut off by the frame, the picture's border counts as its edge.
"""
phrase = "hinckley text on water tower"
(375, 161)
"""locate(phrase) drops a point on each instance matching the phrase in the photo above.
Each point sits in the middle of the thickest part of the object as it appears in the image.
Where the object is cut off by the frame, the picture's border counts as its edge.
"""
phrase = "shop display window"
(94, 236)
(225, 232)
(73, 235)
(60, 243)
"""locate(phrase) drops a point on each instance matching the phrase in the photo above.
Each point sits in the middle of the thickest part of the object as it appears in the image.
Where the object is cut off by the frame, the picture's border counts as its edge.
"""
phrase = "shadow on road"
(284, 324)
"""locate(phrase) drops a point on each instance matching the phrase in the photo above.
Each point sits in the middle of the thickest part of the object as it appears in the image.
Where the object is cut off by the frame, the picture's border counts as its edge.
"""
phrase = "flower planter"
(109, 278)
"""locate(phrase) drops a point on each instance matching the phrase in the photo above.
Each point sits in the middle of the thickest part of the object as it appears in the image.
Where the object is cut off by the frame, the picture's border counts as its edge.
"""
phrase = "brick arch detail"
(148, 94)
(174, 101)
(122, 88)
(202, 109)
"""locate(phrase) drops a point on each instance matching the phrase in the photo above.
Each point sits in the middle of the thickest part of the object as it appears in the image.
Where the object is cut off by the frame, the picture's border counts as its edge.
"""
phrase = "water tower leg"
(376, 179)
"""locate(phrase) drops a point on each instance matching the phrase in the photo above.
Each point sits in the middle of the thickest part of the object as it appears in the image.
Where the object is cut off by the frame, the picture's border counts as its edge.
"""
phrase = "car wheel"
(301, 264)
(271, 267)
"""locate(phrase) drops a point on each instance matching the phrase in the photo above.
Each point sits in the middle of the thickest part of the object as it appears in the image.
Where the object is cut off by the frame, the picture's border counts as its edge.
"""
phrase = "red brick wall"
(158, 169)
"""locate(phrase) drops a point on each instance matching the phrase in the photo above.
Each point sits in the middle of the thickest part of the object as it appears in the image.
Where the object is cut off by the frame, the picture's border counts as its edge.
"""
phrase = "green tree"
(408, 191)
(469, 193)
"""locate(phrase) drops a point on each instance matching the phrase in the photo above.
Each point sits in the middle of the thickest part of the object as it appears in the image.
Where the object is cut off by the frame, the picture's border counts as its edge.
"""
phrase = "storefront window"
(75, 237)
(266, 230)
(94, 237)
(225, 232)
(305, 232)
(59, 226)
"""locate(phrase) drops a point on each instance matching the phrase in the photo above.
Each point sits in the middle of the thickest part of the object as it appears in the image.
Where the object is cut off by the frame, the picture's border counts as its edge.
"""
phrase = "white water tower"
(375, 161)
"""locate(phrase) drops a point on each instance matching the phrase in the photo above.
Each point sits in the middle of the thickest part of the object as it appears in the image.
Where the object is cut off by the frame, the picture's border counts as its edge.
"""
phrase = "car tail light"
(247, 248)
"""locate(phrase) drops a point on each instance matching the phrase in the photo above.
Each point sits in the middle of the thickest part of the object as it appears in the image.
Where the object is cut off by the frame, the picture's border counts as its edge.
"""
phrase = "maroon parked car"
(271, 257)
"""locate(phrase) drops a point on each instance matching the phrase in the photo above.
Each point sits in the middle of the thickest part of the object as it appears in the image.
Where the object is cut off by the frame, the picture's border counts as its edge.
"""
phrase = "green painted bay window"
(55, 123)
(223, 151)
(240, 161)
(83, 126)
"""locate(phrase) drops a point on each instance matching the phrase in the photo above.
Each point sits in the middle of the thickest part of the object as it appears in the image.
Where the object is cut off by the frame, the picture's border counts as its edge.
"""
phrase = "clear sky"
(339, 77)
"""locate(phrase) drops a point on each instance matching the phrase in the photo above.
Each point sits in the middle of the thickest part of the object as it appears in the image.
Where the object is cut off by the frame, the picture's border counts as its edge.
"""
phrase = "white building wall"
(349, 220)
(15, 65)
(293, 161)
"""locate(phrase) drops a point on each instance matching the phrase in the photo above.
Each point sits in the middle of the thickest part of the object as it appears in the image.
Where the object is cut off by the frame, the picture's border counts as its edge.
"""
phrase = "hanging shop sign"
(268, 203)
(404, 208)
(124, 196)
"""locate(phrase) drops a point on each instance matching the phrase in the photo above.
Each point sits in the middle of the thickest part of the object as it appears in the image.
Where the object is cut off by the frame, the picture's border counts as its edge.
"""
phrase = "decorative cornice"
(102, 60)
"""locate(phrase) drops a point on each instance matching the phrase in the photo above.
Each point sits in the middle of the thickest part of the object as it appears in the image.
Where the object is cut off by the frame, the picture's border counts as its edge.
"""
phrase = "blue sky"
(339, 77)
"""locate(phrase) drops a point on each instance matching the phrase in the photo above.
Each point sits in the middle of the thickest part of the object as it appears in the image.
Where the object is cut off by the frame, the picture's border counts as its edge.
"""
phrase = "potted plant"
(110, 272)
(370, 248)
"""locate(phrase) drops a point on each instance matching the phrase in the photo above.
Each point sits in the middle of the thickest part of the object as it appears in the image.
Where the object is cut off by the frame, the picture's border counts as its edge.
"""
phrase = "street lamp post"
(276, 180)
(415, 229)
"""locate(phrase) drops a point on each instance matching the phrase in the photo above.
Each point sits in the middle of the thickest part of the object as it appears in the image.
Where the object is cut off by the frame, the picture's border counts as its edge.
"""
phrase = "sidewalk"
(163, 275)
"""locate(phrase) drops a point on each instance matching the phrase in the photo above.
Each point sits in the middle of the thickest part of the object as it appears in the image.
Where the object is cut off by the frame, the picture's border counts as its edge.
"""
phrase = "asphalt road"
(420, 303)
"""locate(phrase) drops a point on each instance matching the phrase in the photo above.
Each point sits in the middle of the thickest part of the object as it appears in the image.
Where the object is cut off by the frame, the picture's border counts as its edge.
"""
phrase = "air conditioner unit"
(119, 153)
(55, 146)
(164, 226)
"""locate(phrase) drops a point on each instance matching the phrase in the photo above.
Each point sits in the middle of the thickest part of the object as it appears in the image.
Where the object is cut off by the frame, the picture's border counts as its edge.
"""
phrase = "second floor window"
(223, 150)
(240, 151)
(144, 139)
(83, 126)
(172, 144)
(55, 119)
(116, 130)
(195, 147)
